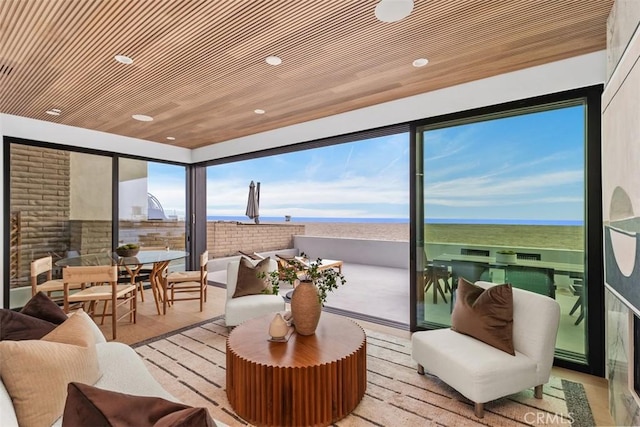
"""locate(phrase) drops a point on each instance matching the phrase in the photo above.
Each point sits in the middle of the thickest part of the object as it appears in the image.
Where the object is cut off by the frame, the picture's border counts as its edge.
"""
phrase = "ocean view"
(268, 219)
(537, 235)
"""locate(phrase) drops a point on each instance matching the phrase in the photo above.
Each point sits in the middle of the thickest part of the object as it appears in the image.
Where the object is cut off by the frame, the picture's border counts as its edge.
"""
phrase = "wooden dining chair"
(42, 268)
(179, 282)
(104, 287)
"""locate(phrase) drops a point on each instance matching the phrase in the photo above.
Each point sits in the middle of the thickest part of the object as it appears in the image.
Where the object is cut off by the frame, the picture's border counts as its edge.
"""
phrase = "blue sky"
(523, 167)
(518, 168)
(359, 180)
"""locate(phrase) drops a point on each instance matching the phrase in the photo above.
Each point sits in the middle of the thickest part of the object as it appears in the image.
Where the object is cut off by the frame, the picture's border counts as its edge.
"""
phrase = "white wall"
(383, 253)
(40, 130)
(90, 187)
(573, 73)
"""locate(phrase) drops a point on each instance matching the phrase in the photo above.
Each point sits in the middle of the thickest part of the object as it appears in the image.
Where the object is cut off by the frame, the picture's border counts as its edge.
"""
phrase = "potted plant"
(272, 279)
(325, 280)
(311, 293)
(128, 249)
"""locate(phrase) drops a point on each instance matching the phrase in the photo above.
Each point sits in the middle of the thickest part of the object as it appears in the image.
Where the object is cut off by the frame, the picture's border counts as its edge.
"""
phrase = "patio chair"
(471, 271)
(432, 275)
(189, 282)
(483, 373)
(242, 308)
(105, 289)
(253, 256)
(286, 263)
(534, 279)
(577, 290)
(44, 267)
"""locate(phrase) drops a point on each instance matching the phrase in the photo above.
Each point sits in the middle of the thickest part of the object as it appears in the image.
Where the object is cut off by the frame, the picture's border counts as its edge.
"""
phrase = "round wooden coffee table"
(307, 381)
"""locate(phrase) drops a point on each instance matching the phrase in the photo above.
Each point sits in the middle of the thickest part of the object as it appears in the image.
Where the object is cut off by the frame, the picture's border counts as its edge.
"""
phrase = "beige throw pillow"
(248, 281)
(36, 372)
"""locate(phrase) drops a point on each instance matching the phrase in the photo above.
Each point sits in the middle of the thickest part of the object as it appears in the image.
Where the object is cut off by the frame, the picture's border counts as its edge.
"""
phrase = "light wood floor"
(150, 324)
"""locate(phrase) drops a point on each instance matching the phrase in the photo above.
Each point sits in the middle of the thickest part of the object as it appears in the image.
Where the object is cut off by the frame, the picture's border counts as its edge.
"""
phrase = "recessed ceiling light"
(273, 60)
(53, 112)
(142, 117)
(171, 138)
(259, 111)
(123, 59)
(420, 62)
(393, 10)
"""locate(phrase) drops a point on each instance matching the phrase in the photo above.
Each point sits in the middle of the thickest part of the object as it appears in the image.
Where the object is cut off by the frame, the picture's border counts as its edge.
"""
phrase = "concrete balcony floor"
(376, 294)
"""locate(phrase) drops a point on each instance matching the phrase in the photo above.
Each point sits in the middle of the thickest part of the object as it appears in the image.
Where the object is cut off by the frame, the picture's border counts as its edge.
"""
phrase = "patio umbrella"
(253, 203)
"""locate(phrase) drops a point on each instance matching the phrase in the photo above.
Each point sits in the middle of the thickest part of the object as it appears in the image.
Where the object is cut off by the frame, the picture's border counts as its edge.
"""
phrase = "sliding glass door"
(60, 205)
(502, 199)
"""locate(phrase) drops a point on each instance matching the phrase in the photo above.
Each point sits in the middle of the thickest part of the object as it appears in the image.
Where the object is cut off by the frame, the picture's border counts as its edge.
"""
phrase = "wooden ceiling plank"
(199, 65)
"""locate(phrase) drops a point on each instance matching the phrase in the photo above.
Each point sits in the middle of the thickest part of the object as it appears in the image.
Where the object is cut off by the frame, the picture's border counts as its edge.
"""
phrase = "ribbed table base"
(309, 394)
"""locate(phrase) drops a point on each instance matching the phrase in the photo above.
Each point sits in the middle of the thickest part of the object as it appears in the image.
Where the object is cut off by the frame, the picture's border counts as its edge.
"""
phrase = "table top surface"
(558, 266)
(335, 338)
(104, 258)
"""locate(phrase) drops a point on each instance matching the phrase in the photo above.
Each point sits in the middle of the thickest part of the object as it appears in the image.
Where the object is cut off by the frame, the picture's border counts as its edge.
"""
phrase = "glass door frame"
(593, 258)
(189, 191)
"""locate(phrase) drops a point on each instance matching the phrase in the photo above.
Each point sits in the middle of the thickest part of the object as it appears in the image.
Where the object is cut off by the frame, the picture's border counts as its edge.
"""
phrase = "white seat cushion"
(184, 276)
(237, 310)
(478, 371)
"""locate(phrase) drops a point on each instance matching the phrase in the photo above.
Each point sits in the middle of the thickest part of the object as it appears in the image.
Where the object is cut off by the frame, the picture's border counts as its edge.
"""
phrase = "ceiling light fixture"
(142, 118)
(420, 62)
(123, 59)
(393, 10)
(273, 60)
(171, 138)
(53, 112)
(259, 111)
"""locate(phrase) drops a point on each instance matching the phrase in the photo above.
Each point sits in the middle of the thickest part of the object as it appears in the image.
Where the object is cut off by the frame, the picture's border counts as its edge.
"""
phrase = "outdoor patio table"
(159, 259)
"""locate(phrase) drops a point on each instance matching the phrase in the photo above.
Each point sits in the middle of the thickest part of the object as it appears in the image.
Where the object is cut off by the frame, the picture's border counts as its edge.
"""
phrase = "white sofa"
(122, 371)
(483, 373)
(237, 310)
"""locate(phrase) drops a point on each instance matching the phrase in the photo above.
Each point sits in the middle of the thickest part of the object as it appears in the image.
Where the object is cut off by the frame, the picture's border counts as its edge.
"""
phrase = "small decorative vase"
(278, 328)
(305, 308)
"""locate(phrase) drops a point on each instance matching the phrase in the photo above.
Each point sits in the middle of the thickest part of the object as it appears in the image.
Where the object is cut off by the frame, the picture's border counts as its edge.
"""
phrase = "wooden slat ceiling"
(199, 66)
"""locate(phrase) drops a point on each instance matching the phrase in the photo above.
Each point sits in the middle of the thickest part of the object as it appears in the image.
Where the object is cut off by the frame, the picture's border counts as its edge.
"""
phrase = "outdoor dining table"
(558, 267)
(160, 260)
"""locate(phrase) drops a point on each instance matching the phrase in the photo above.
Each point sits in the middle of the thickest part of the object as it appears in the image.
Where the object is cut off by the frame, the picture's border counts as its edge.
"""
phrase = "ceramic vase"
(305, 308)
(278, 328)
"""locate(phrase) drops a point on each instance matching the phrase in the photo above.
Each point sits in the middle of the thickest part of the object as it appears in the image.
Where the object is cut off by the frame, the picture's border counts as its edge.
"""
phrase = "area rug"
(190, 364)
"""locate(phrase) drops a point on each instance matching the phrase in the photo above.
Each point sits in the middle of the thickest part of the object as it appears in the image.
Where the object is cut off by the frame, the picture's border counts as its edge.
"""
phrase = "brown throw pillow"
(43, 307)
(15, 326)
(38, 317)
(248, 281)
(91, 406)
(485, 314)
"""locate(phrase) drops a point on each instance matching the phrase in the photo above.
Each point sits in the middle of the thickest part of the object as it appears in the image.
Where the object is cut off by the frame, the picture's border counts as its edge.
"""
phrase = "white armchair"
(483, 373)
(239, 309)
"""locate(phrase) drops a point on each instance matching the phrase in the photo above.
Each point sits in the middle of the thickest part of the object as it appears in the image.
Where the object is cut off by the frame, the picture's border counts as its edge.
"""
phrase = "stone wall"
(226, 238)
(40, 192)
(89, 237)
